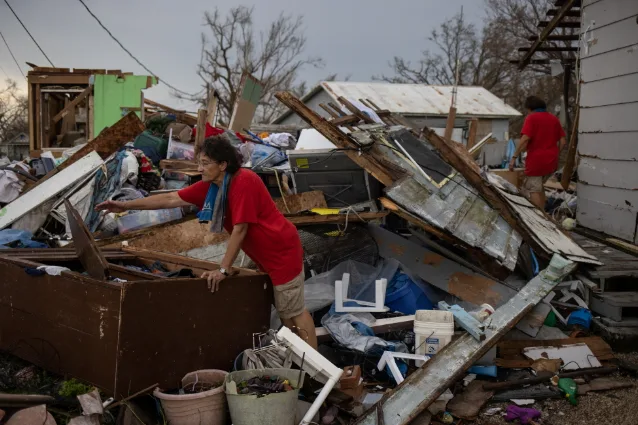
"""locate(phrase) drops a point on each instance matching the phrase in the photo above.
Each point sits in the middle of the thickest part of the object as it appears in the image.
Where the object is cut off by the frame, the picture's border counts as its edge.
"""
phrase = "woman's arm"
(154, 202)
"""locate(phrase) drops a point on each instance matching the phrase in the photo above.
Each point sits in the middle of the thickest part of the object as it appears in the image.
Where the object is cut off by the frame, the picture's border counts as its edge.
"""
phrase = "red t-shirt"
(272, 241)
(544, 132)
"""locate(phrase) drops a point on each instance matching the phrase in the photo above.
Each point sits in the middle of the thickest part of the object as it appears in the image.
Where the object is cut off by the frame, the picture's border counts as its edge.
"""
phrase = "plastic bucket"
(206, 407)
(272, 409)
(408, 299)
(433, 330)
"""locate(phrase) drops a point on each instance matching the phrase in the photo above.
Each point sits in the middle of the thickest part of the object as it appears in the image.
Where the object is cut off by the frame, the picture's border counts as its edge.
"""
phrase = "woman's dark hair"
(532, 103)
(218, 148)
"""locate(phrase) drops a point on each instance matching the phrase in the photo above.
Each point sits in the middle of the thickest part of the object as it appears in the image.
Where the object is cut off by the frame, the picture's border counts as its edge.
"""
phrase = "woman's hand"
(111, 206)
(214, 278)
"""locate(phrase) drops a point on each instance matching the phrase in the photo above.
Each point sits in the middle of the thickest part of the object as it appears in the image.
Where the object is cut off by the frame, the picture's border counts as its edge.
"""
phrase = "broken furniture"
(463, 318)
(341, 296)
(389, 358)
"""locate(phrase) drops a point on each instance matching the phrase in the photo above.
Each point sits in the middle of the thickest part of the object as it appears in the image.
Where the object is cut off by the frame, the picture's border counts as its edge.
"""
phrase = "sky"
(355, 38)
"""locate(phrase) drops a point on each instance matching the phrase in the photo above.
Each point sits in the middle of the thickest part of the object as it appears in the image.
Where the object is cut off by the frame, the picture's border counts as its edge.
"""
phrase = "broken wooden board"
(420, 389)
(510, 353)
(305, 201)
(44, 191)
(88, 252)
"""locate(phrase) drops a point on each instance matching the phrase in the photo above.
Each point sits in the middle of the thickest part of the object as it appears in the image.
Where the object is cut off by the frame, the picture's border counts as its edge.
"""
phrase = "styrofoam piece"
(389, 358)
(49, 188)
(341, 296)
(311, 356)
(574, 356)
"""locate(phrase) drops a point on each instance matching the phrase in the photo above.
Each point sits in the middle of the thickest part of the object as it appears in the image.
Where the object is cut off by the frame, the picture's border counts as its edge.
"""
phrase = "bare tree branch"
(275, 57)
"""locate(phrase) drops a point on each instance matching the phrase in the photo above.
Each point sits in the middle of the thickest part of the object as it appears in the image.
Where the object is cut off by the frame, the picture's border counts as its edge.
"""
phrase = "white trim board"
(48, 189)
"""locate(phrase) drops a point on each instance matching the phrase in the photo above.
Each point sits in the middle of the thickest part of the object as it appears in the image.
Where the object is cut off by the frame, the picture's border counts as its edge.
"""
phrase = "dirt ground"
(617, 407)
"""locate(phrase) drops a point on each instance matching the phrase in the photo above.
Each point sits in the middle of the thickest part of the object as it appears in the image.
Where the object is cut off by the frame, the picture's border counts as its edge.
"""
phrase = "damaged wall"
(608, 129)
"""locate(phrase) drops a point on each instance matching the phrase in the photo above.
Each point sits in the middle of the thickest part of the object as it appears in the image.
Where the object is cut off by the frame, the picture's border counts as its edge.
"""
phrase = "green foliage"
(73, 388)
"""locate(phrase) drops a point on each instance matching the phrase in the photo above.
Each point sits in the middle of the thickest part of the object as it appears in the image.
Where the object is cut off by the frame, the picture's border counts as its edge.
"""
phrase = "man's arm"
(154, 202)
(522, 146)
(562, 143)
(234, 245)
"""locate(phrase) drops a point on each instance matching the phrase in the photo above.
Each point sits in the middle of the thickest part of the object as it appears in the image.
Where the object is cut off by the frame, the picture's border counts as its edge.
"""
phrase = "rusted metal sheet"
(122, 337)
(420, 389)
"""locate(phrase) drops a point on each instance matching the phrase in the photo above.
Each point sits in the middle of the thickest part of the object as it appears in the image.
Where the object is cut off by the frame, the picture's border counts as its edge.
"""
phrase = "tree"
(481, 57)
(13, 112)
(275, 57)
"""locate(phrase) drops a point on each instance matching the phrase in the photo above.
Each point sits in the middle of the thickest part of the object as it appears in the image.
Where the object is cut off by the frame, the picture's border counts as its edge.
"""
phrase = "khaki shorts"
(289, 297)
(534, 184)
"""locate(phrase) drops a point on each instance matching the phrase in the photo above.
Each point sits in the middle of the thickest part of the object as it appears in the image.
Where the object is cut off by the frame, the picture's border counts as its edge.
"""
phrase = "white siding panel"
(612, 211)
(608, 173)
(609, 118)
(612, 37)
(609, 11)
(625, 61)
(610, 91)
(619, 146)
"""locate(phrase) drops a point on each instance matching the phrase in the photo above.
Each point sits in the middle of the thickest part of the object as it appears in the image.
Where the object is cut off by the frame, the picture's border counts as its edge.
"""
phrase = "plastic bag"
(266, 156)
(342, 328)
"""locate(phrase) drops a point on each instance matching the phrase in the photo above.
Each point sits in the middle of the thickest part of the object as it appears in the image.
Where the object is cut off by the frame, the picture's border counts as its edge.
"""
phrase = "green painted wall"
(111, 93)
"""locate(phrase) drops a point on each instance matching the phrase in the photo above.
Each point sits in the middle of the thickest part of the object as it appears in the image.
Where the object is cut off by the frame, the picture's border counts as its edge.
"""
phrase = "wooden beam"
(182, 115)
(570, 13)
(471, 138)
(329, 111)
(71, 106)
(557, 37)
(75, 80)
(356, 111)
(200, 135)
(549, 49)
(309, 220)
(548, 29)
(568, 169)
(540, 61)
(335, 135)
(449, 124)
(569, 24)
(346, 120)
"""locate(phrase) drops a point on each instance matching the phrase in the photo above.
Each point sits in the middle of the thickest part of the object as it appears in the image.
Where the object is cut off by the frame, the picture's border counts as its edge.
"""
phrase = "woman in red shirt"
(254, 224)
(543, 138)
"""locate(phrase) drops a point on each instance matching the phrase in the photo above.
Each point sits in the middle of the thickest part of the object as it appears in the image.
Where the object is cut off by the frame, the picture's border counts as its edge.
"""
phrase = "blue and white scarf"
(214, 210)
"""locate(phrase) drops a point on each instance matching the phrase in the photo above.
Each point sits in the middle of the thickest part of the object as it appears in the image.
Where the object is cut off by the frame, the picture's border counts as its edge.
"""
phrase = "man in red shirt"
(543, 138)
(254, 224)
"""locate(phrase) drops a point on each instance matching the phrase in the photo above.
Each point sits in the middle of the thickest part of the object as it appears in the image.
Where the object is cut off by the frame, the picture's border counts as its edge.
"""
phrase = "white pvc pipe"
(325, 391)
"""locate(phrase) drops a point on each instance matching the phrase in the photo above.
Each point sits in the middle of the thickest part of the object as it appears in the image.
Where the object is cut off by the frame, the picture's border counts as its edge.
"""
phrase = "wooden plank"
(71, 106)
(181, 115)
(178, 164)
(31, 96)
(356, 111)
(329, 111)
(335, 218)
(335, 135)
(572, 37)
(299, 202)
(200, 135)
(570, 164)
(89, 254)
(542, 24)
(71, 79)
(550, 49)
(571, 13)
(45, 191)
(345, 120)
(471, 138)
(449, 123)
(90, 117)
(551, 25)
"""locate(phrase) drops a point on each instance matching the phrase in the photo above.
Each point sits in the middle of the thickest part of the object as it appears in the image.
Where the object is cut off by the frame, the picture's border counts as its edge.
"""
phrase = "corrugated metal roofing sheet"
(416, 99)
(422, 99)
